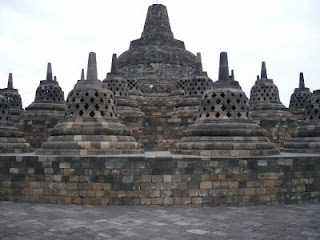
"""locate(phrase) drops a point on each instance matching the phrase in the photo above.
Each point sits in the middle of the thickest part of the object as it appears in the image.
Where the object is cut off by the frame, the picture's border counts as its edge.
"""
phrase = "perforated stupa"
(14, 99)
(264, 99)
(11, 139)
(91, 125)
(299, 99)
(306, 138)
(193, 88)
(45, 112)
(126, 107)
(223, 126)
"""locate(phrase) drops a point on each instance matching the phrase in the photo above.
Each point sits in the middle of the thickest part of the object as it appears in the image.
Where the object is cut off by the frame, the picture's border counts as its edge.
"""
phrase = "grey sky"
(284, 33)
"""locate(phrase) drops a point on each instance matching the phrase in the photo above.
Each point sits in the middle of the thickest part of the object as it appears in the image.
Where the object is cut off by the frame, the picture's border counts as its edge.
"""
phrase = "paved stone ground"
(50, 221)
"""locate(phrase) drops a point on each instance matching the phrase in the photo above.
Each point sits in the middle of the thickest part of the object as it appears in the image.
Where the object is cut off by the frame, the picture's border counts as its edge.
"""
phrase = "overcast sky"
(284, 33)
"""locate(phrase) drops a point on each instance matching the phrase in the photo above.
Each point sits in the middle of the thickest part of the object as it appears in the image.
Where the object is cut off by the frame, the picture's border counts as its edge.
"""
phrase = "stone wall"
(160, 131)
(278, 131)
(160, 180)
(36, 131)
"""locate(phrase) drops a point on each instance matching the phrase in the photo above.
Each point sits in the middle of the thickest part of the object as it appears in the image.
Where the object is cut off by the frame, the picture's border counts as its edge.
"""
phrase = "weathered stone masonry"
(162, 180)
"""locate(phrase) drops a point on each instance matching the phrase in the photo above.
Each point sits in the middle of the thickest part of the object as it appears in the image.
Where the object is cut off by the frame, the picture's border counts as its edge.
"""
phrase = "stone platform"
(160, 178)
(24, 221)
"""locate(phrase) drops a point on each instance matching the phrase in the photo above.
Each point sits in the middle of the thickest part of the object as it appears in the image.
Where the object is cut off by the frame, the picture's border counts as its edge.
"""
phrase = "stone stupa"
(157, 60)
(127, 109)
(223, 126)
(14, 99)
(299, 99)
(11, 139)
(306, 138)
(264, 99)
(268, 111)
(45, 112)
(181, 84)
(91, 125)
(193, 88)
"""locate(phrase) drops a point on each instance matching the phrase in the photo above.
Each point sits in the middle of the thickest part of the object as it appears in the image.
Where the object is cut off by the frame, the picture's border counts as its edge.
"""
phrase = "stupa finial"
(49, 72)
(114, 64)
(232, 75)
(157, 23)
(55, 78)
(10, 83)
(199, 63)
(82, 74)
(92, 71)
(224, 67)
(301, 81)
(264, 71)
(258, 77)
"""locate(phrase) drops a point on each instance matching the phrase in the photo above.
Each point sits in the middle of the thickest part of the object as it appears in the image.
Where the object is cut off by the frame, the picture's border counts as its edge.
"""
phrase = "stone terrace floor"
(53, 221)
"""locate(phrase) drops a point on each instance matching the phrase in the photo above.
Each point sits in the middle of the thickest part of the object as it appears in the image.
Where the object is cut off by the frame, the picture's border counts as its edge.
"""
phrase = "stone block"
(57, 178)
(74, 178)
(145, 201)
(196, 200)
(156, 201)
(76, 200)
(106, 186)
(64, 165)
(86, 201)
(193, 193)
(233, 184)
(203, 192)
(100, 193)
(154, 193)
(167, 178)
(205, 185)
(166, 193)
(148, 186)
(127, 179)
(157, 178)
(145, 178)
(250, 191)
(91, 193)
(168, 201)
(72, 186)
(176, 178)
(35, 185)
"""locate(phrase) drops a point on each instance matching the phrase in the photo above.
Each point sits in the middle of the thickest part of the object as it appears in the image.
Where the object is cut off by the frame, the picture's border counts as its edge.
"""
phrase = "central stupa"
(157, 60)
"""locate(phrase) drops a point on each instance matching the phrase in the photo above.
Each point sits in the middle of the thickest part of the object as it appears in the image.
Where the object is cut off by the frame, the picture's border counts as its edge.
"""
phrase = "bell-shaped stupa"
(157, 60)
(14, 99)
(126, 107)
(193, 88)
(11, 139)
(133, 87)
(264, 99)
(306, 138)
(91, 125)
(299, 99)
(223, 126)
(45, 112)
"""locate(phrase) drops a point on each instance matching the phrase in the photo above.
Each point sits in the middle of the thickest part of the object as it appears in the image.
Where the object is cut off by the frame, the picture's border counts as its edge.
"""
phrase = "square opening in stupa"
(158, 130)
